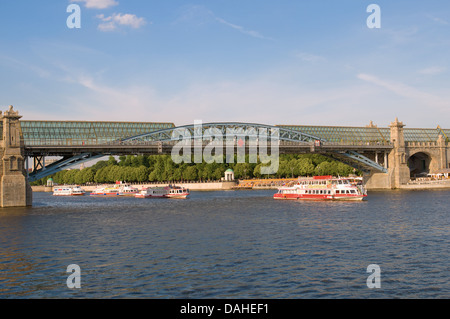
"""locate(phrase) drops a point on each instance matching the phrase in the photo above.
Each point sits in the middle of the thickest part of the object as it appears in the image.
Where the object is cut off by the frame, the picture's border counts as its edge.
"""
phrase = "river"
(227, 244)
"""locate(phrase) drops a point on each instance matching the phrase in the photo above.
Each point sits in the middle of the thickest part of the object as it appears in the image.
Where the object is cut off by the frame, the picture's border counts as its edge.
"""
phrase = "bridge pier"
(399, 171)
(15, 191)
(401, 160)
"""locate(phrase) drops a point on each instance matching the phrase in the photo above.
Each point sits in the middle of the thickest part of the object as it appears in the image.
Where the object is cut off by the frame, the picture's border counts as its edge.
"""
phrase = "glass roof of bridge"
(84, 133)
(341, 134)
(91, 133)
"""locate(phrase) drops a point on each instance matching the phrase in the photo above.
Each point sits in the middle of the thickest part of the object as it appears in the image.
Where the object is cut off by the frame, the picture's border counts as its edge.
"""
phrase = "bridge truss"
(161, 141)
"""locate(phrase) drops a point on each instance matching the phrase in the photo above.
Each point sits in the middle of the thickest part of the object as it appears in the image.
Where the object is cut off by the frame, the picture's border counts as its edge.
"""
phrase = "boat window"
(338, 191)
(353, 191)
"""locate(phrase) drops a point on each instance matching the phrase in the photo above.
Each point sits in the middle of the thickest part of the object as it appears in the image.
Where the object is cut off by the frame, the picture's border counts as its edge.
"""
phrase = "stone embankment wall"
(213, 186)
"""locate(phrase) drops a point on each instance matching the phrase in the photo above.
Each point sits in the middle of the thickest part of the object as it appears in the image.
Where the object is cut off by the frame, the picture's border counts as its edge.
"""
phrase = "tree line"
(161, 168)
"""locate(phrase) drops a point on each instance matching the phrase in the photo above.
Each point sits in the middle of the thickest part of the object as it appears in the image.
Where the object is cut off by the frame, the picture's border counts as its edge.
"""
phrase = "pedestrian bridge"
(365, 148)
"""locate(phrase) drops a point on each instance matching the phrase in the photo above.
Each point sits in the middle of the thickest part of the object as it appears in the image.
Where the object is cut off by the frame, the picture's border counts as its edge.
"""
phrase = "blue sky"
(272, 62)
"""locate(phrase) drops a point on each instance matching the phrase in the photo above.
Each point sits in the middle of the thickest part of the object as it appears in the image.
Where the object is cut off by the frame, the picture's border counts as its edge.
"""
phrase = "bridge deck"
(154, 148)
(70, 133)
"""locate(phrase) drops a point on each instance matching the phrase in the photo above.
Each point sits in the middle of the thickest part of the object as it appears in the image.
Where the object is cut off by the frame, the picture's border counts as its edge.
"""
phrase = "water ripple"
(227, 245)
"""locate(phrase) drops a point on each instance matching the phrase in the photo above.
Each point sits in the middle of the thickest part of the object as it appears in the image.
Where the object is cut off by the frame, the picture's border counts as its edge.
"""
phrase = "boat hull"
(105, 194)
(181, 196)
(319, 197)
(175, 196)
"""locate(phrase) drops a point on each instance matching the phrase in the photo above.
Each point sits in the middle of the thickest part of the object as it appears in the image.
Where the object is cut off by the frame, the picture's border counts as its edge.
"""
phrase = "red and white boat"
(68, 191)
(163, 192)
(323, 188)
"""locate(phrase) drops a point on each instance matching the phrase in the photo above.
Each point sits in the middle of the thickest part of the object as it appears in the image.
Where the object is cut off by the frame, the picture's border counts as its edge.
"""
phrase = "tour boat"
(115, 190)
(177, 192)
(163, 192)
(128, 190)
(68, 191)
(323, 188)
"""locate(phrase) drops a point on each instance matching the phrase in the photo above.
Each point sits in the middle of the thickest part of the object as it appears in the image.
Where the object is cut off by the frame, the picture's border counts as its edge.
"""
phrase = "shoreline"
(222, 186)
(204, 186)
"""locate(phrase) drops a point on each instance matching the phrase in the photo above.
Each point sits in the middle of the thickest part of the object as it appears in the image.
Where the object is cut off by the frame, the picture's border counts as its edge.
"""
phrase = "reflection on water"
(234, 244)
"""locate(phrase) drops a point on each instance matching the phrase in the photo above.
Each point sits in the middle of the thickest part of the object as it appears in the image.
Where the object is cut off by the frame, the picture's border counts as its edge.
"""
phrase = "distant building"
(229, 175)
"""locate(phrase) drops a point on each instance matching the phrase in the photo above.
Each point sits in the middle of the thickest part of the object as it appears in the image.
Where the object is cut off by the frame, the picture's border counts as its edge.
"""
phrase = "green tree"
(99, 165)
(305, 167)
(142, 173)
(112, 160)
(243, 170)
(219, 173)
(190, 173)
(324, 168)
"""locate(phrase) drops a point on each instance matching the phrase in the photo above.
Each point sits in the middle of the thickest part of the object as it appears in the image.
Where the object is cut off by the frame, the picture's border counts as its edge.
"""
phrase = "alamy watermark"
(74, 19)
(374, 280)
(74, 280)
(374, 20)
(238, 137)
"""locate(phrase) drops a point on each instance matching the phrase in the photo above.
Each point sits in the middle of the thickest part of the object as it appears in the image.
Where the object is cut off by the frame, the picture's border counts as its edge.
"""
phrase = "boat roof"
(325, 177)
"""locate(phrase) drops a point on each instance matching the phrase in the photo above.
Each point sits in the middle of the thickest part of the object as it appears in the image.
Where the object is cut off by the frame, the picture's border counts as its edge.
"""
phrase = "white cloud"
(112, 22)
(432, 70)
(202, 15)
(405, 91)
(438, 20)
(241, 29)
(307, 57)
(98, 4)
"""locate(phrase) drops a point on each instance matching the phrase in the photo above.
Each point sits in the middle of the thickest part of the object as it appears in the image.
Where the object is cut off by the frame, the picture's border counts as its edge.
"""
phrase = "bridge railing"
(62, 143)
(421, 144)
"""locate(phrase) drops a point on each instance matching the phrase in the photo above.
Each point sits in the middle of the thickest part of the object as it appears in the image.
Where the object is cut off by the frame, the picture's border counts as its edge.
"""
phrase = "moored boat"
(115, 190)
(163, 192)
(178, 192)
(128, 190)
(68, 191)
(323, 188)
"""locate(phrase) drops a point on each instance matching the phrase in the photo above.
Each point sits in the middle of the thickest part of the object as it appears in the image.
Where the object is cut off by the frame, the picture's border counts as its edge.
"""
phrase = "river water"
(229, 244)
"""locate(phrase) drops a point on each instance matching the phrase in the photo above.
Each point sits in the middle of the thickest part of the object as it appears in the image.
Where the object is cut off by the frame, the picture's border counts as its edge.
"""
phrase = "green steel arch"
(116, 133)
(210, 130)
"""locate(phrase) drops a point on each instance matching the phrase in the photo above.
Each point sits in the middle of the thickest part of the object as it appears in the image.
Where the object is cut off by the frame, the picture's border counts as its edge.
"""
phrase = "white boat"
(164, 192)
(115, 190)
(323, 188)
(68, 191)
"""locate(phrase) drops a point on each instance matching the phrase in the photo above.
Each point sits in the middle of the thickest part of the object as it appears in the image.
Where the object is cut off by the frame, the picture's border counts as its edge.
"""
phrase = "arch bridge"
(78, 142)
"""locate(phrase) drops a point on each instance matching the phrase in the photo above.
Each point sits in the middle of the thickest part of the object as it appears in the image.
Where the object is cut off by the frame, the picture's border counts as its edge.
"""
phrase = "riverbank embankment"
(193, 186)
(240, 185)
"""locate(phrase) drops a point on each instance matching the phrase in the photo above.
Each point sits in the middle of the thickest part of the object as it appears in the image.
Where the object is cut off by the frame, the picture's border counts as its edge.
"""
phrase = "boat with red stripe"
(323, 188)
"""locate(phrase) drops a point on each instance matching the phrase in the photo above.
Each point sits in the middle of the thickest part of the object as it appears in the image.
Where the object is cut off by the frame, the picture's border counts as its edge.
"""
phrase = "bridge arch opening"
(419, 164)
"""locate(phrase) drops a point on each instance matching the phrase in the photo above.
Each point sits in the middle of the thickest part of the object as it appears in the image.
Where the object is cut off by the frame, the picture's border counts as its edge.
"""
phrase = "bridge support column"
(399, 172)
(15, 191)
(442, 152)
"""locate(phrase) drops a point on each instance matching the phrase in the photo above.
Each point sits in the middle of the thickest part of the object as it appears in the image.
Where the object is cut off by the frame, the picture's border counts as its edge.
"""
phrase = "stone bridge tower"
(15, 191)
(398, 162)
